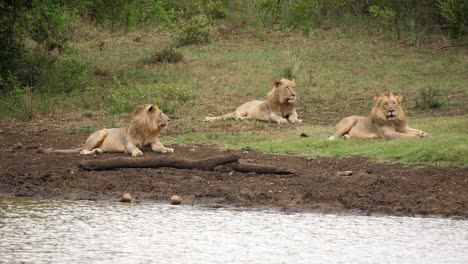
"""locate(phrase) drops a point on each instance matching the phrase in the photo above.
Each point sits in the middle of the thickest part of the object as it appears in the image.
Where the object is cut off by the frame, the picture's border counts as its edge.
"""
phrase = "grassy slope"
(338, 72)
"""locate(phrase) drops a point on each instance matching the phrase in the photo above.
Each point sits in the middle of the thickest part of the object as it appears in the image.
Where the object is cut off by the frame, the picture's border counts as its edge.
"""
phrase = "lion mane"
(144, 129)
(279, 107)
(387, 120)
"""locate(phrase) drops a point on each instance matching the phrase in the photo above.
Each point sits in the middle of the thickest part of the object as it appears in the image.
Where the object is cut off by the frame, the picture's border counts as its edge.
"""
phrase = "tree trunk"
(126, 162)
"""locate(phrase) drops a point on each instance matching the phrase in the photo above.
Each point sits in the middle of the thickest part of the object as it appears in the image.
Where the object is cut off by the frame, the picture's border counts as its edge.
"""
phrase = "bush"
(167, 55)
(168, 97)
(18, 104)
(430, 98)
(128, 14)
(215, 9)
(269, 12)
(66, 74)
(51, 24)
(194, 31)
(455, 13)
(120, 98)
(304, 15)
(171, 97)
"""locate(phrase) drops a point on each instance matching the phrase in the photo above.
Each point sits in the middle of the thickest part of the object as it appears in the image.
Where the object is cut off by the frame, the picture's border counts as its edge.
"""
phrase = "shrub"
(167, 55)
(455, 13)
(19, 104)
(51, 24)
(168, 97)
(119, 99)
(430, 98)
(171, 97)
(66, 74)
(194, 31)
(269, 12)
(215, 9)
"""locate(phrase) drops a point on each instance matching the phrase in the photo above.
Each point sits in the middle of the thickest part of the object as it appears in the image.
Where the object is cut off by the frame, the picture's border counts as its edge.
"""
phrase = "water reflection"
(42, 231)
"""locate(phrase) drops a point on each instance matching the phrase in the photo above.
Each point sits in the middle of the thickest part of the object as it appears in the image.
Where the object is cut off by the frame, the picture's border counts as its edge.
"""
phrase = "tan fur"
(143, 130)
(387, 120)
(280, 106)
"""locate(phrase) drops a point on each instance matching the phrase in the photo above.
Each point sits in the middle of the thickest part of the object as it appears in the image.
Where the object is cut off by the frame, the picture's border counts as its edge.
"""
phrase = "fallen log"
(261, 169)
(167, 161)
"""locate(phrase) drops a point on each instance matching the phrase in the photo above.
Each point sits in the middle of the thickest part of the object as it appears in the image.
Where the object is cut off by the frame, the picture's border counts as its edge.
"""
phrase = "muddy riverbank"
(394, 189)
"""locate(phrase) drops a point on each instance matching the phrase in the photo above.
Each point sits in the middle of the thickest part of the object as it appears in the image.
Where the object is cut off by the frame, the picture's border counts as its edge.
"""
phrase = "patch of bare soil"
(319, 184)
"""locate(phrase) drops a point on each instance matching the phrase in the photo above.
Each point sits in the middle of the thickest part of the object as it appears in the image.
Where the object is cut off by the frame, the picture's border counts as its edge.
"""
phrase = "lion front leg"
(293, 118)
(415, 132)
(390, 134)
(277, 118)
(157, 146)
(133, 150)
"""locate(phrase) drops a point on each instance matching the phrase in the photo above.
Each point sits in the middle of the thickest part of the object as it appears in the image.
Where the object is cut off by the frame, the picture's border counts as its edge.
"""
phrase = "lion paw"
(423, 134)
(346, 136)
(296, 121)
(282, 121)
(97, 151)
(167, 150)
(137, 153)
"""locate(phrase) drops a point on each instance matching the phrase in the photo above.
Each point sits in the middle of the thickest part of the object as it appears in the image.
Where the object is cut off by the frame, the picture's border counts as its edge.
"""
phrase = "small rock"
(126, 198)
(175, 200)
(344, 173)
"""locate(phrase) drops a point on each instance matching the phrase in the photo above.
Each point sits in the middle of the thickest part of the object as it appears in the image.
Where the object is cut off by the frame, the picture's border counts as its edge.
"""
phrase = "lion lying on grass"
(387, 120)
(143, 130)
(279, 106)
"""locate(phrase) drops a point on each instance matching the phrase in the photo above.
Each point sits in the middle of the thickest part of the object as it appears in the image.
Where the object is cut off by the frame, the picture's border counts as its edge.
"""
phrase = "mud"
(322, 184)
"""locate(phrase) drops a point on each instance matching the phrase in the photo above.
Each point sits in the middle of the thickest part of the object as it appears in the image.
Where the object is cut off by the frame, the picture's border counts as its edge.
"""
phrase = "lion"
(387, 120)
(280, 106)
(143, 129)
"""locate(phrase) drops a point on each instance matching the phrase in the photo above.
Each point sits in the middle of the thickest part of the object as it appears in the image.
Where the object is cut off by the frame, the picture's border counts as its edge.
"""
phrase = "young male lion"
(144, 129)
(387, 120)
(279, 106)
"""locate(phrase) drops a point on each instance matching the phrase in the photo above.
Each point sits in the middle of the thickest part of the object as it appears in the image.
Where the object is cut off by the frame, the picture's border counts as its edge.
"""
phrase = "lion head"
(283, 92)
(387, 109)
(148, 120)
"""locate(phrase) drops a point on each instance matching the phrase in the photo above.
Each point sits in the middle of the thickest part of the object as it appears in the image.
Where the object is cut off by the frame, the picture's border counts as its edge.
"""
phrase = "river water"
(57, 231)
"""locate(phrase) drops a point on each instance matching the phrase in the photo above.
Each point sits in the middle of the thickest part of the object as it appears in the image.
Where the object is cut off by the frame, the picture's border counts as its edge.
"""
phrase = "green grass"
(338, 72)
(448, 143)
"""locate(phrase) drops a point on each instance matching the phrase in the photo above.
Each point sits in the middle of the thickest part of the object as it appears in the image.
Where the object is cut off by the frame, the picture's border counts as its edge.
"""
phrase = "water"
(46, 231)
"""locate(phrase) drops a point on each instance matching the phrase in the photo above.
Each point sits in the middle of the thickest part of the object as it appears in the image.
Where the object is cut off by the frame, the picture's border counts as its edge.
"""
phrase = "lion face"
(285, 91)
(161, 120)
(149, 117)
(387, 107)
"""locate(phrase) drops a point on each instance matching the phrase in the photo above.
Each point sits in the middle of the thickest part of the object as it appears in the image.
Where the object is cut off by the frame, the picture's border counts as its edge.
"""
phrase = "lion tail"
(222, 117)
(49, 150)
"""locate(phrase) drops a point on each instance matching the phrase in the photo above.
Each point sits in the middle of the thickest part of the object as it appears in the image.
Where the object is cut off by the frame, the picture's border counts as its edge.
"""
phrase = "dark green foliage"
(455, 13)
(194, 31)
(65, 75)
(50, 24)
(431, 98)
(128, 14)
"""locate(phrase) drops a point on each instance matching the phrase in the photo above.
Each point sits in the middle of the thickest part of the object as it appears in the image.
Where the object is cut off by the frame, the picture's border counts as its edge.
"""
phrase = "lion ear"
(151, 108)
(399, 98)
(277, 83)
(293, 81)
(377, 98)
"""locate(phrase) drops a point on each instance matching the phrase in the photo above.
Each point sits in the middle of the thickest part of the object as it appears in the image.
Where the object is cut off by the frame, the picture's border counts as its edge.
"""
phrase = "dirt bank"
(372, 188)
